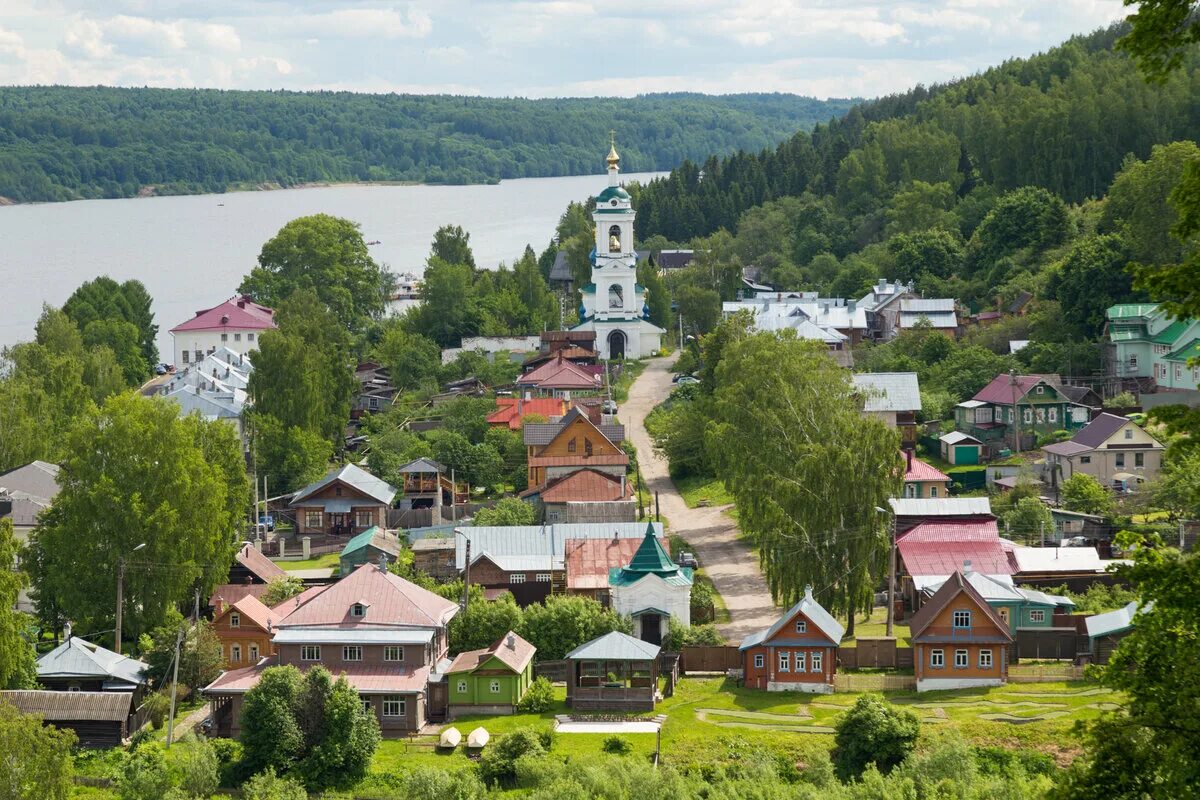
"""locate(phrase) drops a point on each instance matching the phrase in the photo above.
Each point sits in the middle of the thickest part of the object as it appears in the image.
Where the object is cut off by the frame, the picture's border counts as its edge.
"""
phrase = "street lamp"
(891, 587)
(121, 596)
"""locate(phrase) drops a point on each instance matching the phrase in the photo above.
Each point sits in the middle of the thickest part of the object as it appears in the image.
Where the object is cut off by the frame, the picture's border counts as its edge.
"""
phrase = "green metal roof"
(651, 556)
(610, 193)
(1169, 334)
(1188, 351)
(1128, 310)
(361, 540)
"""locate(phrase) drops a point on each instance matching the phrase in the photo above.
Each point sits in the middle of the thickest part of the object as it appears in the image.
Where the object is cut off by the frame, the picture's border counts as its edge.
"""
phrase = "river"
(191, 252)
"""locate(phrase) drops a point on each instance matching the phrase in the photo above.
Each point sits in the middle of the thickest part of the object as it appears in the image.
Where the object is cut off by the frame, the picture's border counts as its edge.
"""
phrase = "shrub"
(680, 636)
(616, 744)
(195, 765)
(539, 698)
(427, 782)
(266, 785)
(157, 706)
(145, 775)
(873, 731)
(1122, 400)
(499, 762)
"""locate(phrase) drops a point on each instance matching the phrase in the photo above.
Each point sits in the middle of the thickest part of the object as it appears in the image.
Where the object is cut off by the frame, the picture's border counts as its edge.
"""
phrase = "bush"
(616, 744)
(266, 785)
(1122, 400)
(195, 765)
(157, 706)
(873, 732)
(499, 762)
(145, 775)
(539, 698)
(680, 636)
(428, 782)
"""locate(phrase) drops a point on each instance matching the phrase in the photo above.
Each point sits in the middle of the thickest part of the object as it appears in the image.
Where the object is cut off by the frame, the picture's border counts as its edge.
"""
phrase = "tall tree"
(18, 662)
(136, 473)
(37, 762)
(449, 309)
(413, 360)
(105, 299)
(327, 255)
(806, 469)
(453, 245)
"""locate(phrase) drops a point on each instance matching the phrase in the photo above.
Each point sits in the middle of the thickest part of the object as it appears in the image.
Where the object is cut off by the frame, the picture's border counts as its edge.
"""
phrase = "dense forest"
(65, 143)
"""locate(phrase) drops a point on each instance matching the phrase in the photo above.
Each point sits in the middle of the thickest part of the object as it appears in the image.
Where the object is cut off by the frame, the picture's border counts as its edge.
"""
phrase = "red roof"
(252, 609)
(230, 593)
(516, 657)
(239, 313)
(918, 470)
(365, 679)
(589, 560)
(292, 603)
(580, 460)
(258, 564)
(560, 374)
(512, 410)
(940, 548)
(586, 486)
(390, 600)
(1000, 390)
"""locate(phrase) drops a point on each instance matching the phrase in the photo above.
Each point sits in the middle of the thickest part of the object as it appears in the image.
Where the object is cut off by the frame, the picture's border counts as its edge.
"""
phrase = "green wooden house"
(1033, 404)
(492, 680)
(369, 546)
(1147, 342)
(1021, 608)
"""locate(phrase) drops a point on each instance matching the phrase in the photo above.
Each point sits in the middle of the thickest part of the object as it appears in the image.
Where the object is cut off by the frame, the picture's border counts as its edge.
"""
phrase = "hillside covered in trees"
(65, 143)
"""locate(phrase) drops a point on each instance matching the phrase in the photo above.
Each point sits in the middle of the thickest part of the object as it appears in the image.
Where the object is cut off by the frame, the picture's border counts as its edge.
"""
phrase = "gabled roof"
(958, 437)
(812, 611)
(1185, 353)
(614, 646)
(373, 536)
(589, 561)
(560, 374)
(79, 658)
(918, 470)
(1000, 589)
(71, 706)
(38, 479)
(422, 465)
(1000, 390)
(355, 477)
(543, 433)
(1130, 310)
(390, 601)
(1102, 428)
(888, 391)
(955, 585)
(364, 678)
(585, 486)
(235, 313)
(941, 506)
(1112, 622)
(539, 543)
(253, 609)
(939, 548)
(511, 411)
(510, 650)
(258, 564)
(921, 305)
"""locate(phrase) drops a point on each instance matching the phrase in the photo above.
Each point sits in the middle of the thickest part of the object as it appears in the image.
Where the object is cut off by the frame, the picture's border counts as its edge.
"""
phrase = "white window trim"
(350, 649)
(516, 577)
(310, 652)
(962, 659)
(759, 661)
(801, 660)
(494, 686)
(389, 649)
(985, 659)
(801, 626)
(785, 662)
(398, 704)
(961, 613)
(1037, 615)
(235, 653)
(235, 620)
(817, 662)
(937, 658)
(462, 687)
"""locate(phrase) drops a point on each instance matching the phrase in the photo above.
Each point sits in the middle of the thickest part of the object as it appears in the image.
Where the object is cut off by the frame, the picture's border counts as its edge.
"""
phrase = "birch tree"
(806, 468)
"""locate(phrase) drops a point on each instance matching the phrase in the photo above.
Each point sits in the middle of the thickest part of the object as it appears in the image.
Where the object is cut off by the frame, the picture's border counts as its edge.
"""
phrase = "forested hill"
(1064, 121)
(62, 143)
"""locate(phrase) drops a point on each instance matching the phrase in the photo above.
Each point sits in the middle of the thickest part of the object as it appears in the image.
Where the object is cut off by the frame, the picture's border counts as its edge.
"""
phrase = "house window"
(237, 337)
(1028, 416)
(817, 658)
(1079, 415)
(462, 687)
(910, 490)
(337, 490)
(224, 337)
(1178, 372)
(1052, 414)
(1041, 416)
(1040, 390)
(310, 652)
(235, 653)
(542, 577)
(494, 686)
(235, 620)
(254, 654)
(758, 661)
(960, 659)
(587, 447)
(933, 491)
(937, 659)
(962, 619)
(312, 519)
(801, 626)
(352, 652)
(373, 403)
(517, 577)
(358, 610)
(393, 705)
(801, 659)
(1133, 362)
(364, 519)
(366, 705)
(785, 662)
(1037, 616)
(571, 446)
(998, 414)
(1010, 416)
(985, 659)
(393, 652)
(1085, 459)
(249, 337)
(199, 356)
(187, 357)
(1120, 459)
(1139, 459)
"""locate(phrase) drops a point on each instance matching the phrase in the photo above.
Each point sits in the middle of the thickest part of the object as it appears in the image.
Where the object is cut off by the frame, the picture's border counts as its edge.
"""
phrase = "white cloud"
(143, 35)
(86, 37)
(369, 23)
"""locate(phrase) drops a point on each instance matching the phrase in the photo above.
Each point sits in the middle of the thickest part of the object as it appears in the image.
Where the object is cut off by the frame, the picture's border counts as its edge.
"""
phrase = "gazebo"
(613, 673)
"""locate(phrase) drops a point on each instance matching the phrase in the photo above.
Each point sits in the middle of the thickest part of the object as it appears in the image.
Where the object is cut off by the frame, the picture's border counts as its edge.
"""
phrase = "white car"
(686, 379)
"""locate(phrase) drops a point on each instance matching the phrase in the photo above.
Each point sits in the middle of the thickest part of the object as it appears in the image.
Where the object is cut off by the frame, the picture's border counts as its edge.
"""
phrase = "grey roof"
(72, 706)
(356, 477)
(542, 433)
(78, 658)
(812, 610)
(1068, 448)
(956, 437)
(941, 304)
(561, 270)
(538, 547)
(1000, 588)
(889, 391)
(674, 259)
(940, 507)
(972, 404)
(615, 646)
(37, 479)
(1112, 621)
(938, 319)
(422, 465)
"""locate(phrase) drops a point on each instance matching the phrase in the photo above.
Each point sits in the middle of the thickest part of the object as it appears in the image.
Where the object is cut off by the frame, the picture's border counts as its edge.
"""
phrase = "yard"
(326, 561)
(703, 491)
(875, 625)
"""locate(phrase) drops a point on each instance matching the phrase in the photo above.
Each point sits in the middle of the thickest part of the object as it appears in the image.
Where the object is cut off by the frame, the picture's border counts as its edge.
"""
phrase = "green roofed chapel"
(651, 589)
(613, 304)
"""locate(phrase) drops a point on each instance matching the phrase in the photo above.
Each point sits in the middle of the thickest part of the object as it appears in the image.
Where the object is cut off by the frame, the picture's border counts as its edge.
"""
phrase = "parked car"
(267, 521)
(683, 380)
(609, 407)
(1075, 541)
(162, 369)
(688, 560)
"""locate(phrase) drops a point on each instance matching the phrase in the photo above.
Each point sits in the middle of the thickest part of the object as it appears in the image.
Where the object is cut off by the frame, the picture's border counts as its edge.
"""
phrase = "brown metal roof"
(515, 657)
(390, 600)
(580, 460)
(586, 486)
(955, 585)
(588, 561)
(1099, 430)
(258, 564)
(69, 706)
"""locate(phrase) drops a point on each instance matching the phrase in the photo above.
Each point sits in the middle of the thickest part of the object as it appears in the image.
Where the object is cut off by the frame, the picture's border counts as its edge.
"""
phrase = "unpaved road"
(732, 566)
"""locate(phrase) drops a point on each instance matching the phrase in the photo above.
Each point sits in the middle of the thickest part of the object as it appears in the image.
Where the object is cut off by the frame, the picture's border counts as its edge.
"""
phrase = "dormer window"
(1040, 390)
(358, 610)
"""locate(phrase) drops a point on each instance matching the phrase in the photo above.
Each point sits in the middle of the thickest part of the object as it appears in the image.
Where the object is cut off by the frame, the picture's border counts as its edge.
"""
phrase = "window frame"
(398, 705)
(760, 661)
(800, 661)
(235, 653)
(990, 662)
(817, 661)
(516, 577)
(396, 648)
(961, 613)
(349, 650)
(310, 652)
(937, 658)
(1037, 615)
(801, 626)
(235, 619)
(494, 686)
(462, 687)
(358, 610)
(310, 516)
(541, 577)
(364, 519)
(962, 658)
(784, 661)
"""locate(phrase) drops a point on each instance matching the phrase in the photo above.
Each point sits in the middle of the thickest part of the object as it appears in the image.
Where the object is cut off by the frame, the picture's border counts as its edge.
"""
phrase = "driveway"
(732, 566)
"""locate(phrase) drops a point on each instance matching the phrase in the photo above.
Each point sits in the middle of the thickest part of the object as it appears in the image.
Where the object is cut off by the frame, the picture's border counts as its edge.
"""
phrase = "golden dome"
(613, 159)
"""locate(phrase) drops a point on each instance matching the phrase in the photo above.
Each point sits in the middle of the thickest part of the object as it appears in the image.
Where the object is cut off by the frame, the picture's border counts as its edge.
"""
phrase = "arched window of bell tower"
(614, 239)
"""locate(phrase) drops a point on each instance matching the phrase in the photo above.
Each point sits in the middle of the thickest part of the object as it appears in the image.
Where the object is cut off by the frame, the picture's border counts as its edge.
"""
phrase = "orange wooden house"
(556, 449)
(959, 641)
(798, 653)
(244, 628)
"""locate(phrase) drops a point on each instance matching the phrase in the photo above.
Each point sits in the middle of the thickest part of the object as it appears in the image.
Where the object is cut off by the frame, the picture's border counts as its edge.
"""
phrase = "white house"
(652, 589)
(236, 324)
(614, 304)
(214, 387)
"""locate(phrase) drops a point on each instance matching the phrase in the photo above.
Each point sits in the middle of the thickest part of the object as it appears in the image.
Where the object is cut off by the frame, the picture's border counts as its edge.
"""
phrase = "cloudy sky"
(532, 48)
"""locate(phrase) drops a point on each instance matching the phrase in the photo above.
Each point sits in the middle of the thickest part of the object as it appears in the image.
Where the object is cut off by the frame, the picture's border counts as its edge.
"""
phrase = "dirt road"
(732, 566)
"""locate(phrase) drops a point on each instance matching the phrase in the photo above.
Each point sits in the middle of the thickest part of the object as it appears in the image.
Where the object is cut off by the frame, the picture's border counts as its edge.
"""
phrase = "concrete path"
(732, 566)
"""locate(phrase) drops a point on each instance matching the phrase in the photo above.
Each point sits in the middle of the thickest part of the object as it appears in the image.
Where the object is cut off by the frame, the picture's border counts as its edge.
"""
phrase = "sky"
(531, 48)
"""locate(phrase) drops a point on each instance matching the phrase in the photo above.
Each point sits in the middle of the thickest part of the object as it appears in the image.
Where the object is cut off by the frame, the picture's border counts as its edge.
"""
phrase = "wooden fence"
(871, 653)
(872, 682)
(1040, 673)
(713, 658)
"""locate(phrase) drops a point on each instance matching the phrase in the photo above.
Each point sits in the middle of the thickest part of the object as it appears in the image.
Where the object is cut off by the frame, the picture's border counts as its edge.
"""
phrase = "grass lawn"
(320, 562)
(700, 490)
(875, 625)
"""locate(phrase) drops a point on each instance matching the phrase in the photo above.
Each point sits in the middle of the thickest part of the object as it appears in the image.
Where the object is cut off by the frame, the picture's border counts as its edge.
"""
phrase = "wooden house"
(77, 665)
(959, 640)
(1019, 607)
(614, 673)
(797, 653)
(1028, 404)
(98, 719)
(492, 680)
(923, 480)
(587, 495)
(511, 411)
(244, 628)
(346, 501)
(428, 484)
(556, 449)
(1105, 631)
(1114, 450)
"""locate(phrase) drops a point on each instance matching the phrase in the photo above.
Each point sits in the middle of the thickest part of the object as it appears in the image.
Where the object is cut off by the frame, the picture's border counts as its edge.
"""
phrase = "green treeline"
(65, 143)
(1063, 121)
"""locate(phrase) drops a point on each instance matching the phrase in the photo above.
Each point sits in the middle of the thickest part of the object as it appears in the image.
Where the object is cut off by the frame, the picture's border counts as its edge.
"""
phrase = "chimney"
(67, 631)
(882, 287)
(218, 605)
(967, 568)
(383, 562)
(511, 641)
(241, 303)
(909, 456)
(808, 595)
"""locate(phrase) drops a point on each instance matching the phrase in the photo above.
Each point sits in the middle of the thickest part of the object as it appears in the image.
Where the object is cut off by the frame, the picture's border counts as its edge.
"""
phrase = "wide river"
(191, 252)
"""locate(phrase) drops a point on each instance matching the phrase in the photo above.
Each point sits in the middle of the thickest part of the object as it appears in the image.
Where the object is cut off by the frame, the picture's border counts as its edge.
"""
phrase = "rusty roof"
(586, 486)
(365, 679)
(588, 561)
(258, 564)
(70, 706)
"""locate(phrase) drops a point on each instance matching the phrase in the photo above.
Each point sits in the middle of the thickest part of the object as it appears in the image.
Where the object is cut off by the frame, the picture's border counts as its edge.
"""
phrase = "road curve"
(732, 566)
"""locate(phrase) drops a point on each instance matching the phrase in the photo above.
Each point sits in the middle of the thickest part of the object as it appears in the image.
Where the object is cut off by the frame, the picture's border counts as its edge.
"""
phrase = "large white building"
(236, 324)
(214, 387)
(613, 304)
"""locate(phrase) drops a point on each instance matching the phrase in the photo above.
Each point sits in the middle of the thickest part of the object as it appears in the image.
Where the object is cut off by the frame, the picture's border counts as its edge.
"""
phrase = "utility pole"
(120, 603)
(254, 469)
(174, 685)
(891, 592)
(657, 510)
(196, 607)
(1041, 533)
(1016, 411)
(680, 331)
(1181, 537)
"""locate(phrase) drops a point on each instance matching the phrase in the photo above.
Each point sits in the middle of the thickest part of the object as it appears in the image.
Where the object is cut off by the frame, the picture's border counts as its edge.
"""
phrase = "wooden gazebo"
(613, 673)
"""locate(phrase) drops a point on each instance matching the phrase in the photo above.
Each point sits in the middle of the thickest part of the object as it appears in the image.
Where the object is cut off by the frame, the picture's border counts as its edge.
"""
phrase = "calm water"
(191, 252)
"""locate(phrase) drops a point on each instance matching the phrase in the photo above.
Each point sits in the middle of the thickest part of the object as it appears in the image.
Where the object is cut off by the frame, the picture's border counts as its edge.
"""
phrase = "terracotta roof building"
(511, 411)
(235, 323)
